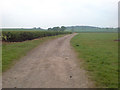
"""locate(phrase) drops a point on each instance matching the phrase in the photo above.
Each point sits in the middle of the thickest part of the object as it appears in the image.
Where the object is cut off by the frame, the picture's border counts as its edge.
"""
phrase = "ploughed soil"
(52, 64)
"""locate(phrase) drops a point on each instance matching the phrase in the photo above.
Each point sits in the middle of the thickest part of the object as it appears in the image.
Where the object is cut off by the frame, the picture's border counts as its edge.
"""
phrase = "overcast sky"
(50, 13)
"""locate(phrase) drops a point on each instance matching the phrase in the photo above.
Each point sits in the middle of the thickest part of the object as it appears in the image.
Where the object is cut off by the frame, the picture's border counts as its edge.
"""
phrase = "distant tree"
(34, 28)
(49, 29)
(72, 29)
(56, 28)
(63, 28)
(107, 28)
(39, 28)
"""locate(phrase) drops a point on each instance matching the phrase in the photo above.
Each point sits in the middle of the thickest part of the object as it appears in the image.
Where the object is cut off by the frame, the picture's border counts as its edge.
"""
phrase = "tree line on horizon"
(62, 28)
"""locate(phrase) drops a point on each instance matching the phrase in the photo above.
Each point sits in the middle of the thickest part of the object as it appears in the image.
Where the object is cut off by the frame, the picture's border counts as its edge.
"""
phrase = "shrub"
(19, 36)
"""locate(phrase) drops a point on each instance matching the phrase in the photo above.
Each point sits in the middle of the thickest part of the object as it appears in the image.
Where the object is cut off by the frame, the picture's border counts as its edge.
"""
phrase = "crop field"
(99, 53)
(83, 29)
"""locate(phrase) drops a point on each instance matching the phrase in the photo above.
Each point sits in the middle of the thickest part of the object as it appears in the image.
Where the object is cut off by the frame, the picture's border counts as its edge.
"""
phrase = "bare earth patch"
(51, 65)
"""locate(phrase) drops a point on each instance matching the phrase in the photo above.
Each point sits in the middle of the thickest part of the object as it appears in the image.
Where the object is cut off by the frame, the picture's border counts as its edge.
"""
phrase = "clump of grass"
(99, 52)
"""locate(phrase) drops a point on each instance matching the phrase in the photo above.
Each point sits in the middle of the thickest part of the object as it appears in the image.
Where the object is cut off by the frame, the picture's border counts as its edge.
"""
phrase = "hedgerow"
(19, 36)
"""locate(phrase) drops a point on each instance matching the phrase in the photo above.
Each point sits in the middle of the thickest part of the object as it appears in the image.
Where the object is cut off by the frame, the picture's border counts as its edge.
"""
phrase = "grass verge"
(99, 53)
(11, 52)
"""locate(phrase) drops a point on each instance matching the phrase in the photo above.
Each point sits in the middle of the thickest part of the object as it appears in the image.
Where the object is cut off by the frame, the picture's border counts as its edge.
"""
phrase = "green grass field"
(99, 52)
(11, 52)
